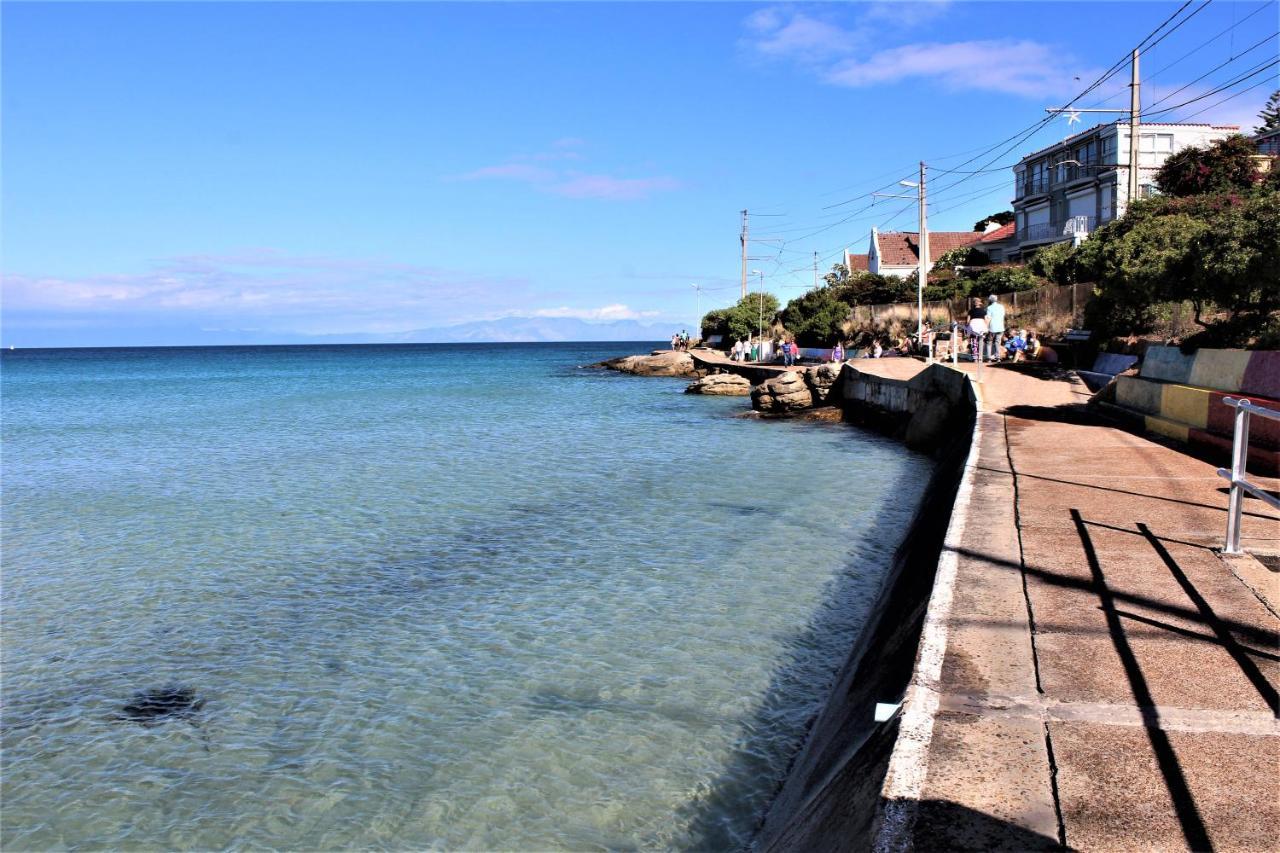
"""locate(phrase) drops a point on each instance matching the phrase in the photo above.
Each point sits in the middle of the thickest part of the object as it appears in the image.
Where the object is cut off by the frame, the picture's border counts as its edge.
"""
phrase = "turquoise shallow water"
(455, 597)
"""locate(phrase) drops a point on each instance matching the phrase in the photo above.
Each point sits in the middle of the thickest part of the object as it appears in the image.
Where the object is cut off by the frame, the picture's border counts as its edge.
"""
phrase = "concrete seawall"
(830, 797)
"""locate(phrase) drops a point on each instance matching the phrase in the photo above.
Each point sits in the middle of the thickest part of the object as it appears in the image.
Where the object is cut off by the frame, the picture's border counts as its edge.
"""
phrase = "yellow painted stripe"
(1186, 405)
(1169, 429)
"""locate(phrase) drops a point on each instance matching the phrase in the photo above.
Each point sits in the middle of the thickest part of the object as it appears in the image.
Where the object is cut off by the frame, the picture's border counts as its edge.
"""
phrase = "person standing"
(995, 328)
(977, 328)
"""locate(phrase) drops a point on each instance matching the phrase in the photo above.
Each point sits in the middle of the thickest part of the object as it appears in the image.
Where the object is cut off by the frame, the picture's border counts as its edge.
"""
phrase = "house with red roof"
(897, 253)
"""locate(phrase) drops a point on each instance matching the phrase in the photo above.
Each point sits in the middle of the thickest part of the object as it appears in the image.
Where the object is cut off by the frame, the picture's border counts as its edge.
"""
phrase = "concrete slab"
(1165, 671)
(1123, 789)
(992, 768)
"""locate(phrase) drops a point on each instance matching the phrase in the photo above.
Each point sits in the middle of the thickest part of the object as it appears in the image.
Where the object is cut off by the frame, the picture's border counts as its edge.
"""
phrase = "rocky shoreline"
(789, 392)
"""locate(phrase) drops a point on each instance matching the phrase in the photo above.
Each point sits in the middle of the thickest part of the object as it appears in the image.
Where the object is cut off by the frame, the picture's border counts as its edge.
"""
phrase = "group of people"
(990, 341)
(680, 341)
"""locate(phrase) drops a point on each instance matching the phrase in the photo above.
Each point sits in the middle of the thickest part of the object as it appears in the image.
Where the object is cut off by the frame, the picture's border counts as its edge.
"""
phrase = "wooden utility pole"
(815, 270)
(1135, 107)
(743, 239)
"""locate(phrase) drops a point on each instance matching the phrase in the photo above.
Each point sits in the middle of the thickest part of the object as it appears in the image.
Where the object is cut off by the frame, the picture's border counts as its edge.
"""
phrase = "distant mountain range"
(505, 330)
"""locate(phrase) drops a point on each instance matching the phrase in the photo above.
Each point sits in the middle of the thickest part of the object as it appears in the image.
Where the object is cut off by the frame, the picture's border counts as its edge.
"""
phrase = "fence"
(1049, 310)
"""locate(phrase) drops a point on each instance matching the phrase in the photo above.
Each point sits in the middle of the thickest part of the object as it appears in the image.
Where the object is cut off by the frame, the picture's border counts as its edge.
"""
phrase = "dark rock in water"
(150, 707)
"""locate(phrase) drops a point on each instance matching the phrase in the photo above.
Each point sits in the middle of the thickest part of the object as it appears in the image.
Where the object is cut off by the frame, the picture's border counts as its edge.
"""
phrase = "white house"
(897, 253)
(1068, 189)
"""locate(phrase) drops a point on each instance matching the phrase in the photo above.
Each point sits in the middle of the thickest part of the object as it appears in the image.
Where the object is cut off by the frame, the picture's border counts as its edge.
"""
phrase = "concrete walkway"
(1104, 679)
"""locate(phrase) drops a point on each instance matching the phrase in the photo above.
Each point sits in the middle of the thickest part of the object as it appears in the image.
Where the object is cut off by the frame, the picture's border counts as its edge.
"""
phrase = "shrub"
(1004, 278)
(1226, 165)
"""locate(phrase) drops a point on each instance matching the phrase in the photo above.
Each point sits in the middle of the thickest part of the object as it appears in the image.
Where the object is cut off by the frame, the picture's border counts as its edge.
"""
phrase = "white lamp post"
(760, 322)
(698, 288)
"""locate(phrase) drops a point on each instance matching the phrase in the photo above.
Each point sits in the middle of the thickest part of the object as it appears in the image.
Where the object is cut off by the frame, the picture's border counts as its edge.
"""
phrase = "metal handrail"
(1239, 459)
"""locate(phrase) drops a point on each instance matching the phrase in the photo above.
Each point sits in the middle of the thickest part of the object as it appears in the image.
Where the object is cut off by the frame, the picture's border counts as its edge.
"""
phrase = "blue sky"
(175, 172)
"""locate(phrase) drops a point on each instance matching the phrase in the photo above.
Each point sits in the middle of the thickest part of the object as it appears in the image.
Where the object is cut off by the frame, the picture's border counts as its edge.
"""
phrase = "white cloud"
(853, 54)
(603, 313)
(570, 183)
(270, 290)
(1022, 67)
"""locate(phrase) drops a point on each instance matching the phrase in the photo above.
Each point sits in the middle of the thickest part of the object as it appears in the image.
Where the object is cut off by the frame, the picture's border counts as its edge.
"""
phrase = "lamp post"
(922, 272)
(760, 321)
(698, 288)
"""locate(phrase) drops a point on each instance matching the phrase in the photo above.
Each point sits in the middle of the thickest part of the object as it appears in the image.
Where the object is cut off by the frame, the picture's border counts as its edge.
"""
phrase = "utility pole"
(743, 240)
(924, 262)
(1135, 107)
(815, 270)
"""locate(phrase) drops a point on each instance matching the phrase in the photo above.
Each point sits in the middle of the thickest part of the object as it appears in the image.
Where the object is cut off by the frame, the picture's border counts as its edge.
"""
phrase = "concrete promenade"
(1093, 673)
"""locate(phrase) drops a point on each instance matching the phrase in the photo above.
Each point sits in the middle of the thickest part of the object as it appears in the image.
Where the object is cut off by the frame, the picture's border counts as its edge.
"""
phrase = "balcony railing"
(1075, 226)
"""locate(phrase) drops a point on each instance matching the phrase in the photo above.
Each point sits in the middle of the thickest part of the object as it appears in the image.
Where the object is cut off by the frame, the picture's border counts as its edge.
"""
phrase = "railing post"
(1239, 461)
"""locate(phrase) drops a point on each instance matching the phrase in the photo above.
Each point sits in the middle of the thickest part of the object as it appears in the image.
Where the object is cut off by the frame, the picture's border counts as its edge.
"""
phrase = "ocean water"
(471, 597)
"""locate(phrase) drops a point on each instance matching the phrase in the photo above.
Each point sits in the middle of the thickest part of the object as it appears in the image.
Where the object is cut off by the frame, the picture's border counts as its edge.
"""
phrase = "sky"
(176, 173)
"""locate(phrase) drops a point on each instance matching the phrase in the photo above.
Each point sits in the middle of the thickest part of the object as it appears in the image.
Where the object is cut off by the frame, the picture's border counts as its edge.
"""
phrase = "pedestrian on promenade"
(1015, 345)
(837, 352)
(787, 358)
(675, 341)
(995, 327)
(755, 351)
(977, 328)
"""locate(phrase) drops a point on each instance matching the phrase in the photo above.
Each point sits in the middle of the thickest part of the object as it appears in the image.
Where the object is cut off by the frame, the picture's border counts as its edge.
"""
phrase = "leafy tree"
(1270, 114)
(818, 317)
(1226, 165)
(1220, 252)
(1004, 278)
(1054, 263)
(963, 256)
(741, 319)
(1004, 217)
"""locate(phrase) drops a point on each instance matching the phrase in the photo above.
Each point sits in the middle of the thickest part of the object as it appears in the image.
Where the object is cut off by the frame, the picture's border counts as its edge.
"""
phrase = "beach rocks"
(721, 384)
(785, 392)
(657, 363)
(821, 379)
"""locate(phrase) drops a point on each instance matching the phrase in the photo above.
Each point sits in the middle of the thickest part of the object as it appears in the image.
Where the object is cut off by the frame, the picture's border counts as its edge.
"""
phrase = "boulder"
(721, 384)
(821, 379)
(657, 363)
(785, 392)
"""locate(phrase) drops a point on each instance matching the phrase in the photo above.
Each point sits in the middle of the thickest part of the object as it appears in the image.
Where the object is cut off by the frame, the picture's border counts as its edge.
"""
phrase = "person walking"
(977, 328)
(995, 328)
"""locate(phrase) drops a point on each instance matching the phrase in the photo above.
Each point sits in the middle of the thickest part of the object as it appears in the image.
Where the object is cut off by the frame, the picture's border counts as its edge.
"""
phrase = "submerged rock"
(721, 384)
(657, 363)
(785, 392)
(158, 704)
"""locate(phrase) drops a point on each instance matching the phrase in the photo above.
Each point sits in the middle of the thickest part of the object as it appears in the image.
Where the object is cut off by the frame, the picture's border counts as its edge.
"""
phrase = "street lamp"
(698, 288)
(760, 325)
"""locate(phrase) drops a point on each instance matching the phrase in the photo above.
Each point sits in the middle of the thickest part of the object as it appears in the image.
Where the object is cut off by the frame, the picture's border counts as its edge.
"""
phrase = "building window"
(1108, 149)
(1157, 143)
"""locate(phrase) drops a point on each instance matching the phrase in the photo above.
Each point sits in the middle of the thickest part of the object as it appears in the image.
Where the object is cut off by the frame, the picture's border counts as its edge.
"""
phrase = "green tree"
(1004, 217)
(1270, 114)
(1054, 263)
(1220, 252)
(1004, 278)
(1225, 166)
(741, 319)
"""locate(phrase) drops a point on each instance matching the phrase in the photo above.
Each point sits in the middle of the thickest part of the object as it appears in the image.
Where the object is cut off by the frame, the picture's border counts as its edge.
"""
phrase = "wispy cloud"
(851, 53)
(603, 313)
(270, 290)
(1025, 68)
(543, 172)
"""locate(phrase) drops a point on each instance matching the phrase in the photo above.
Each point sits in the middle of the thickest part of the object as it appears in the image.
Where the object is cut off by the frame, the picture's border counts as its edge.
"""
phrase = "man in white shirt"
(995, 329)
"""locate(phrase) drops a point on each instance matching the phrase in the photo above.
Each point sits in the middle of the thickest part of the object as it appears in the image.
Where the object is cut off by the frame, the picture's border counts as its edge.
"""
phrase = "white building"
(1066, 190)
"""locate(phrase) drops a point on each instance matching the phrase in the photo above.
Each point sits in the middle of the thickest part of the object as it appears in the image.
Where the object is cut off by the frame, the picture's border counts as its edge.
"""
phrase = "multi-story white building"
(1066, 190)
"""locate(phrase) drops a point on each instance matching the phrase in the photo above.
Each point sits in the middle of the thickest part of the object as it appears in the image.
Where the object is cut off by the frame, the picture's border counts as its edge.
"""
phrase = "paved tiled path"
(1109, 681)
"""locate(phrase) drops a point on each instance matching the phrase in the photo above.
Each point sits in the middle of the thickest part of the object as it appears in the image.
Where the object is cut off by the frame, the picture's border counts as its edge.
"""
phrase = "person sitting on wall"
(1015, 347)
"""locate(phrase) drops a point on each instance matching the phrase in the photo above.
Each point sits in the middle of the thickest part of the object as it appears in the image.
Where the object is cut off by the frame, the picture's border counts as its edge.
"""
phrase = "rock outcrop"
(721, 384)
(657, 363)
(785, 392)
(821, 379)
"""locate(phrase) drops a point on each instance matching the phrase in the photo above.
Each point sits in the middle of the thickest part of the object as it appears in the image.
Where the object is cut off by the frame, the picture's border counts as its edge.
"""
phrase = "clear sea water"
(471, 597)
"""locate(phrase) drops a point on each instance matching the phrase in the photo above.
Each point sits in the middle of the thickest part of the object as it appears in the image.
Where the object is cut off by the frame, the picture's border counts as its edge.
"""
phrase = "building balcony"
(1053, 232)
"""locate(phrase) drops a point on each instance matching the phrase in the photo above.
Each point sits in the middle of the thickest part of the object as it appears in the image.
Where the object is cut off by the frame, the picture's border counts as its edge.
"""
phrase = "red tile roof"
(858, 263)
(901, 248)
(1004, 232)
